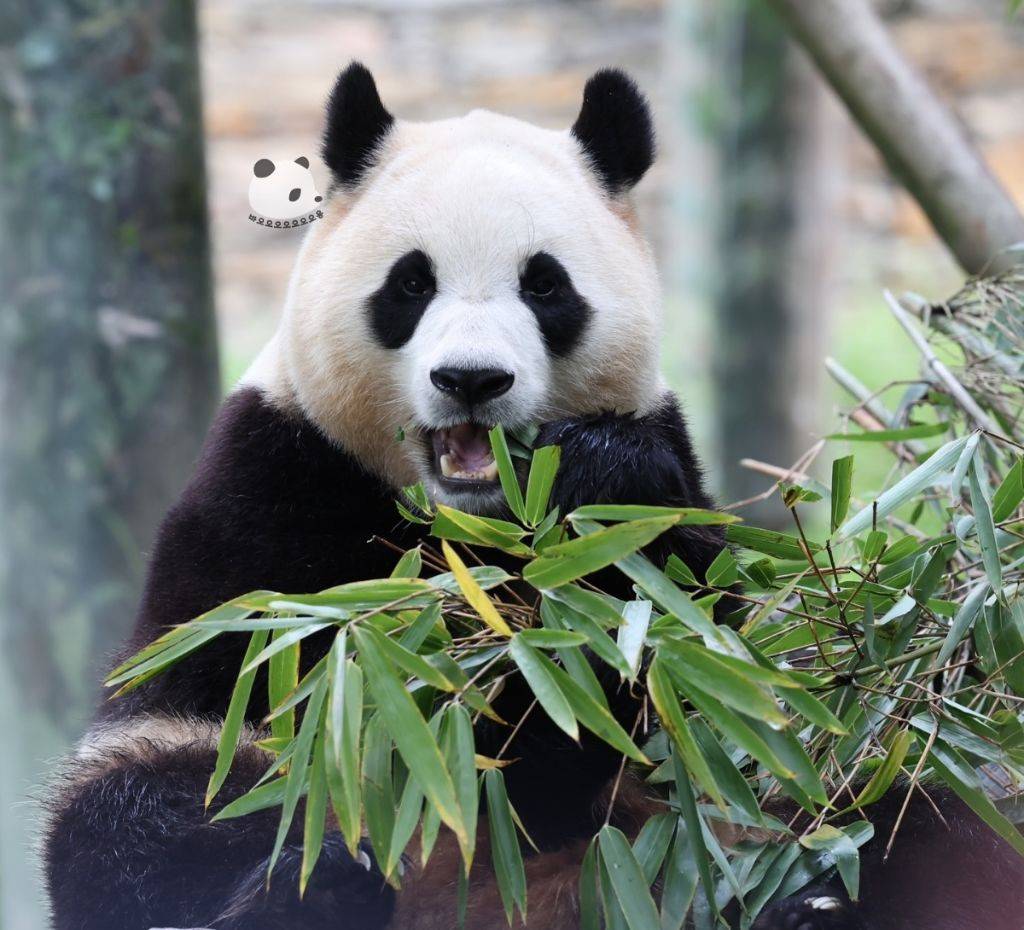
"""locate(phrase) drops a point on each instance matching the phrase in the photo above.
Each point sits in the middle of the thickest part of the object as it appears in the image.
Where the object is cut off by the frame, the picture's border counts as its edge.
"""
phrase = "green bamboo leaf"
(302, 692)
(841, 848)
(589, 897)
(628, 882)
(284, 640)
(417, 631)
(694, 829)
(666, 703)
(603, 646)
(596, 716)
(678, 570)
(779, 545)
(415, 665)
(539, 672)
(484, 531)
(652, 843)
(734, 787)
(921, 478)
(920, 431)
(1010, 492)
(573, 661)
(298, 771)
(985, 526)
(316, 814)
(681, 877)
(543, 469)
(265, 796)
(407, 818)
(461, 763)
(344, 723)
(507, 473)
(568, 561)
(768, 607)
(505, 852)
(688, 516)
(409, 565)
(552, 639)
(732, 681)
(282, 680)
(378, 786)
(409, 730)
(234, 719)
(963, 621)
(886, 773)
(723, 571)
(599, 608)
(842, 486)
(176, 648)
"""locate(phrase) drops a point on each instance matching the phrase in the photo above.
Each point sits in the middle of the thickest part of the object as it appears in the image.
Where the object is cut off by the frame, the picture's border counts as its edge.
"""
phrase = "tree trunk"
(108, 366)
(777, 156)
(920, 140)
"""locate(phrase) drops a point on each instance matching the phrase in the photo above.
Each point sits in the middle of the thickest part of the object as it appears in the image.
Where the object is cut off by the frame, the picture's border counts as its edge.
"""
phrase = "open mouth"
(462, 454)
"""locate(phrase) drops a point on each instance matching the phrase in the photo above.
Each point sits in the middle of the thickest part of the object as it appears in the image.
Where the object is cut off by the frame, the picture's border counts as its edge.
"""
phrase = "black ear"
(615, 129)
(264, 168)
(356, 125)
(303, 161)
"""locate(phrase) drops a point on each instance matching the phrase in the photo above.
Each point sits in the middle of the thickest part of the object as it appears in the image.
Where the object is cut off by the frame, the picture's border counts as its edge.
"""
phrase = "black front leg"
(613, 458)
(131, 846)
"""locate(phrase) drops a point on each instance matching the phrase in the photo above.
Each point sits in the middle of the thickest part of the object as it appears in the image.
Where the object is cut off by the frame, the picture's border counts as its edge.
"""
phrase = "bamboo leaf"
(842, 486)
(344, 723)
(409, 730)
(298, 771)
(484, 531)
(505, 852)
(1010, 492)
(628, 882)
(986, 528)
(234, 718)
(770, 542)
(920, 431)
(543, 469)
(688, 516)
(539, 673)
(921, 478)
(316, 814)
(633, 634)
(474, 594)
(507, 473)
(568, 561)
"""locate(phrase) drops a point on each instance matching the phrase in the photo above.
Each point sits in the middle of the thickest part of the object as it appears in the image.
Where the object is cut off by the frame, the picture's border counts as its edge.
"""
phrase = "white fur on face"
(479, 195)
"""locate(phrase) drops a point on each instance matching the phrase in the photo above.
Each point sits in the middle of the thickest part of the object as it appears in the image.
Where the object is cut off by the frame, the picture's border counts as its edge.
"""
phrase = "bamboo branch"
(919, 138)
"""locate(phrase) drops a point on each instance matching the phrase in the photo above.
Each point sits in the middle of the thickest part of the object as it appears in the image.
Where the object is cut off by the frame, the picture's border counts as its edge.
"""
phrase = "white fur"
(479, 195)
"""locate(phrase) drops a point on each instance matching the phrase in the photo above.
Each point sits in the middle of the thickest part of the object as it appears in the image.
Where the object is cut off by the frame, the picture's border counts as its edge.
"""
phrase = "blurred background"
(125, 314)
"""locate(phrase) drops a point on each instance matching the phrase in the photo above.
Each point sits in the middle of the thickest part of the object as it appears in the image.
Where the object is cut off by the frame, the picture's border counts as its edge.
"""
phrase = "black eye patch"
(546, 288)
(396, 307)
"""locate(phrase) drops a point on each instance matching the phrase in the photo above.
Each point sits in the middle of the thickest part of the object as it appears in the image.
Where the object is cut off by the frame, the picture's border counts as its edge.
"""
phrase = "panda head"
(284, 190)
(468, 272)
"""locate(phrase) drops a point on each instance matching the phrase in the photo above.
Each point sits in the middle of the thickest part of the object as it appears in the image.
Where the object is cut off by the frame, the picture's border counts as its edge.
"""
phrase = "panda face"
(283, 190)
(479, 273)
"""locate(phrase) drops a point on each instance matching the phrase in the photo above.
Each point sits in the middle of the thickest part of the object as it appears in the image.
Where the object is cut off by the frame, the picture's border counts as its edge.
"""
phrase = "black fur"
(614, 127)
(134, 848)
(398, 304)
(356, 125)
(273, 504)
(546, 288)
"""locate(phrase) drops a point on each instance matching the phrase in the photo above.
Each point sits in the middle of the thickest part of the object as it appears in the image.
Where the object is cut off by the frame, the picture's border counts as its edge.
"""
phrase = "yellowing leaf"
(473, 593)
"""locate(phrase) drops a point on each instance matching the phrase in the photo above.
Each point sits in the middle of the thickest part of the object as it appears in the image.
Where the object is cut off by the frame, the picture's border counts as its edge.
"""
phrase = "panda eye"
(542, 287)
(414, 286)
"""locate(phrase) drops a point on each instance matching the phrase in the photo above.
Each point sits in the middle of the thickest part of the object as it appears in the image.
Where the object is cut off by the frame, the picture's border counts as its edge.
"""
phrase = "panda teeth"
(450, 470)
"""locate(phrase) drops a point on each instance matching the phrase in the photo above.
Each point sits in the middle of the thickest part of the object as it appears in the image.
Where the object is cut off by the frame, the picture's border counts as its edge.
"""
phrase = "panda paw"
(815, 909)
(340, 884)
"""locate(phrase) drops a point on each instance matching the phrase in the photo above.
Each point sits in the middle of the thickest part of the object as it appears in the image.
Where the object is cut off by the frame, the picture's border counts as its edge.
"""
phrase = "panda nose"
(472, 385)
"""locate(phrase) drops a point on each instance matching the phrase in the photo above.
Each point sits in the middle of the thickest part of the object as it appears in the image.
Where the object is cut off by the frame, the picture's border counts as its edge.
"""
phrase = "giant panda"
(466, 272)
